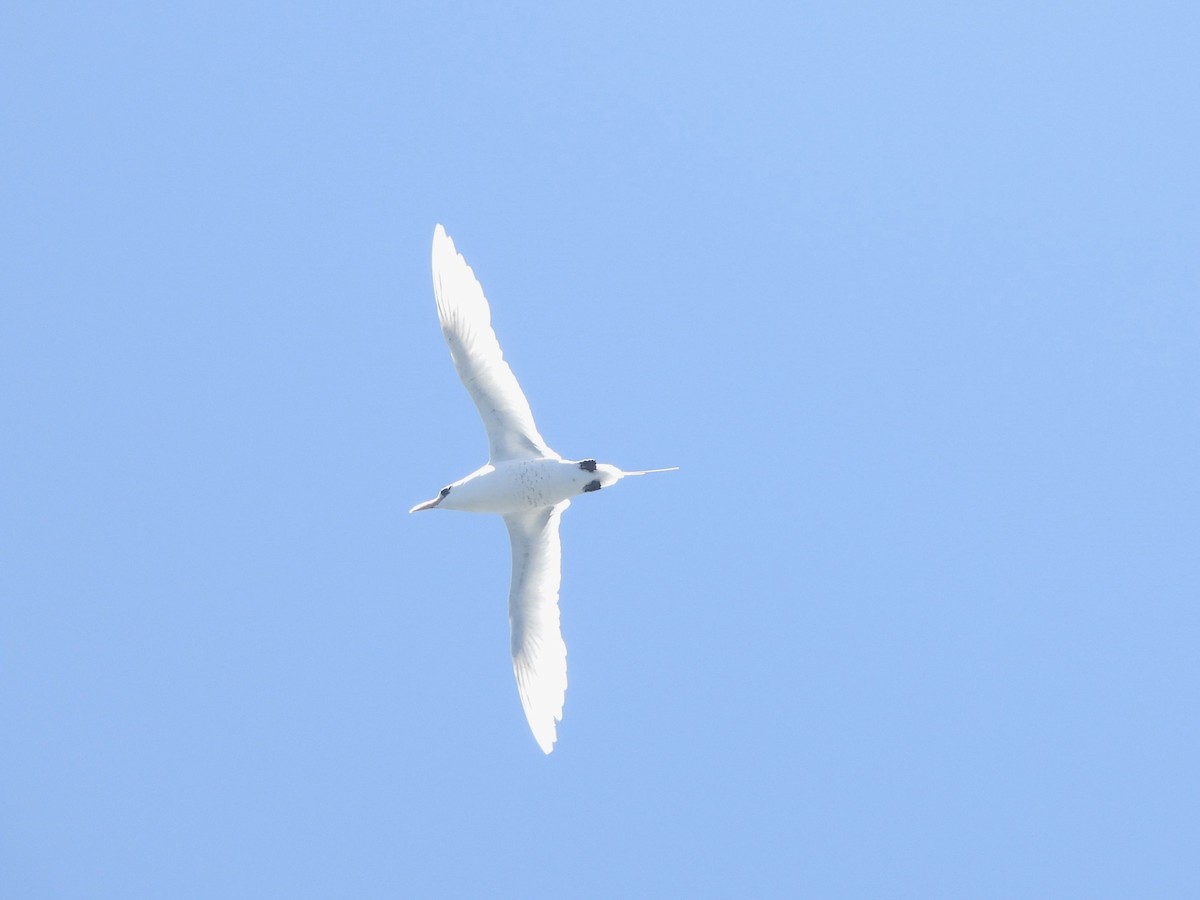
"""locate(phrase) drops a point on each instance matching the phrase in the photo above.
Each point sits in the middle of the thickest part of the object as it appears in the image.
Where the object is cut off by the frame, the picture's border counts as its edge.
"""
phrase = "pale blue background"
(909, 291)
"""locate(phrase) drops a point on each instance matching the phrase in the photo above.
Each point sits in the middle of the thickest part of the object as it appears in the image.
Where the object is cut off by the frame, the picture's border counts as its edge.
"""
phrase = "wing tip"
(542, 711)
(443, 244)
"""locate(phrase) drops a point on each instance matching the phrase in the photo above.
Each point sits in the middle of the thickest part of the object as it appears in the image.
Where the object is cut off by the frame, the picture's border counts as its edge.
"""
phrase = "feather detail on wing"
(467, 326)
(538, 652)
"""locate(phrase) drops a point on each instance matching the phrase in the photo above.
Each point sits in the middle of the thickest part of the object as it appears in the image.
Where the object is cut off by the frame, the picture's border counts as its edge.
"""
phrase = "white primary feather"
(538, 652)
(467, 326)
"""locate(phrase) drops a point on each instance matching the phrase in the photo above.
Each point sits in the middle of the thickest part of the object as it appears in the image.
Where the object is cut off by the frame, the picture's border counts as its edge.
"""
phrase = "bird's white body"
(525, 484)
(524, 481)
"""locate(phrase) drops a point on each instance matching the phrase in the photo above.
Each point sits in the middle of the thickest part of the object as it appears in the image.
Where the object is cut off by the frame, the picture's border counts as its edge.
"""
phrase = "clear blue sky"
(910, 293)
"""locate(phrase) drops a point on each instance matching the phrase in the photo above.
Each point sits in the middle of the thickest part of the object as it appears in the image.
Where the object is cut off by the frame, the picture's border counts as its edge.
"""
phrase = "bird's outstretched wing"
(538, 652)
(467, 326)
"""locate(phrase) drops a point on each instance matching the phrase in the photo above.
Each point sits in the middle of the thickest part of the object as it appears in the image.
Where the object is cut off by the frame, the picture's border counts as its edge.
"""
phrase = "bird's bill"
(428, 504)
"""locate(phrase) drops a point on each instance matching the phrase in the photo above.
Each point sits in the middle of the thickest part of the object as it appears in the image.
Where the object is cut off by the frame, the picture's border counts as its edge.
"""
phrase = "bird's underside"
(524, 481)
(538, 652)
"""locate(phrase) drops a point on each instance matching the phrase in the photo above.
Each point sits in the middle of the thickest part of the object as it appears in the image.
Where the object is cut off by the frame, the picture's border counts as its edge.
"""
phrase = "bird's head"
(607, 475)
(593, 475)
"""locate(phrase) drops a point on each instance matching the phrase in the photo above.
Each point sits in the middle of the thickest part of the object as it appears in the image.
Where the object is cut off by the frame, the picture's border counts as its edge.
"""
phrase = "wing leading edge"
(466, 322)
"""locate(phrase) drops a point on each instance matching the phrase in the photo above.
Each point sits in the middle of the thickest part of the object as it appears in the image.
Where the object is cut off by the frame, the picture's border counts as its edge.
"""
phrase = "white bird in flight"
(524, 481)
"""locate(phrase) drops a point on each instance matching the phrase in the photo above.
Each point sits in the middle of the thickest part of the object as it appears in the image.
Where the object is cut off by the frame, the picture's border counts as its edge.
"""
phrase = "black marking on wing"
(591, 486)
(588, 465)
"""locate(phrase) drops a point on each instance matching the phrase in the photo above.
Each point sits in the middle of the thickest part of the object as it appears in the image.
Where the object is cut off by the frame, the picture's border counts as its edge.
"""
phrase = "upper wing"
(538, 652)
(467, 326)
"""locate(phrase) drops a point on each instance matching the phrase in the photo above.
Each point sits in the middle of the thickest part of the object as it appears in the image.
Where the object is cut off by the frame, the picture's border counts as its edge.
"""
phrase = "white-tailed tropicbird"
(524, 481)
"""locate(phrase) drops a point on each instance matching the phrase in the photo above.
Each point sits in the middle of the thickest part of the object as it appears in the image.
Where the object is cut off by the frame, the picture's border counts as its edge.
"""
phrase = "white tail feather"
(652, 471)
